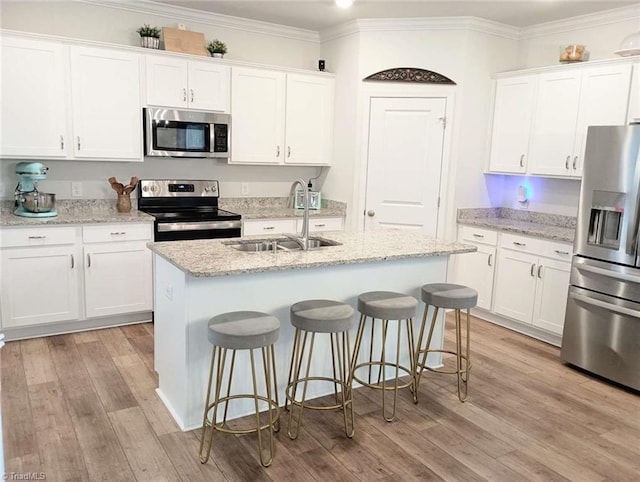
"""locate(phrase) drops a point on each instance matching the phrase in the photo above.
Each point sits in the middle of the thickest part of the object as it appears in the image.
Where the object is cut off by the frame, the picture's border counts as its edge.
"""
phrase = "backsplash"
(517, 215)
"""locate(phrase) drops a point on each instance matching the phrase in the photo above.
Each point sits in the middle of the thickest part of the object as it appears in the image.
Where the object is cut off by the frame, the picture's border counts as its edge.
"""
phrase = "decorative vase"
(217, 55)
(150, 42)
(123, 205)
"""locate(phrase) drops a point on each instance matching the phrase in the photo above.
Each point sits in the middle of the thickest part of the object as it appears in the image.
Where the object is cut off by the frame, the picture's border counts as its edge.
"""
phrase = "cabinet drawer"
(43, 236)
(269, 226)
(556, 250)
(521, 243)
(116, 232)
(478, 235)
(323, 224)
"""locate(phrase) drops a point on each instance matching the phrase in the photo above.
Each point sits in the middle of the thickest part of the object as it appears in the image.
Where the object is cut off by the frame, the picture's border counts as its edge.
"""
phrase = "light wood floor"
(83, 407)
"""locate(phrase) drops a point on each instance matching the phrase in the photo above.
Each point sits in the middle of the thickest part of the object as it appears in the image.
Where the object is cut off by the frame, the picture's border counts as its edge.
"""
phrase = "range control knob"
(153, 188)
(145, 188)
(207, 189)
(214, 188)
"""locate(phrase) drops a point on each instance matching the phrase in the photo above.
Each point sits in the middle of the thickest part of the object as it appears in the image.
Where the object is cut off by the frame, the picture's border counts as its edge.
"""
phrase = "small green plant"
(217, 47)
(148, 31)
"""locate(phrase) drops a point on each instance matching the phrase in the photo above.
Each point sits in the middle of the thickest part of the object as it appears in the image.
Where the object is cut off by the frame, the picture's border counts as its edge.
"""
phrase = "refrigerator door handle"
(611, 274)
(607, 306)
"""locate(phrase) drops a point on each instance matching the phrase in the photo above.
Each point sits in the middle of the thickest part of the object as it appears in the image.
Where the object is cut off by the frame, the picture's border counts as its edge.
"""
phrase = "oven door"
(602, 335)
(168, 231)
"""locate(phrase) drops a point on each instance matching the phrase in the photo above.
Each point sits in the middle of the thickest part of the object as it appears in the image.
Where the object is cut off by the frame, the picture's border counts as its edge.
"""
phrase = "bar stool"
(447, 296)
(317, 317)
(385, 306)
(242, 330)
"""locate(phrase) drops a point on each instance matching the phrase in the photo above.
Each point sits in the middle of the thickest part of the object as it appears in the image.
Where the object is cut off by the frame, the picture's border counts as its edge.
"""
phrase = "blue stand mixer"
(30, 202)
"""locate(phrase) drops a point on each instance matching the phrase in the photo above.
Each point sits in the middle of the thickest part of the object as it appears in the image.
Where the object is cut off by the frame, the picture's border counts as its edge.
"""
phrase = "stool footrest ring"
(389, 383)
(221, 428)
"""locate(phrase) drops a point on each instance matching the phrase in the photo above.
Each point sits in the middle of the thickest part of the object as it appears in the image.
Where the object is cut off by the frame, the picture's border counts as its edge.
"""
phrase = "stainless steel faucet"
(303, 240)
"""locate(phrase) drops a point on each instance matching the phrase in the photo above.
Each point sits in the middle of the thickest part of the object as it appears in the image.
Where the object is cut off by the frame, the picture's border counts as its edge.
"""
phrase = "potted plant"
(217, 48)
(149, 36)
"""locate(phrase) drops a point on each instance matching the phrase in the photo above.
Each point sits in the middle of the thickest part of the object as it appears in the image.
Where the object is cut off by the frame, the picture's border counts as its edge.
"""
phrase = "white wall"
(115, 25)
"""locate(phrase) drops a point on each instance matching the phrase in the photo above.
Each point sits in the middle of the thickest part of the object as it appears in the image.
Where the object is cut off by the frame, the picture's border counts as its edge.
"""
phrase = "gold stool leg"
(276, 425)
(342, 379)
(356, 349)
(463, 374)
(295, 424)
(265, 462)
(221, 358)
(412, 361)
(425, 352)
(205, 420)
(397, 376)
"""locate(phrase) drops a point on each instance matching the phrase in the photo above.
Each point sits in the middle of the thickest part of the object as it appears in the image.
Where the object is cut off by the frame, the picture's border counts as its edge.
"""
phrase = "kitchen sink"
(279, 244)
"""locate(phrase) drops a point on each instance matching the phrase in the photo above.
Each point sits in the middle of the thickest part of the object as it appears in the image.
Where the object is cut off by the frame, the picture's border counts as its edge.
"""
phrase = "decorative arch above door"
(409, 74)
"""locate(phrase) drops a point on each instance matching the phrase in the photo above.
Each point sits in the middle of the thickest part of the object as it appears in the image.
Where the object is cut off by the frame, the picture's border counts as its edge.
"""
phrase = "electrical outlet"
(76, 189)
(244, 188)
(168, 292)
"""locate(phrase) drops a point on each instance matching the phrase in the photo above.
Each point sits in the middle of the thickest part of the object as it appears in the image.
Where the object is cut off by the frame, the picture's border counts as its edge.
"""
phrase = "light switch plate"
(244, 188)
(76, 189)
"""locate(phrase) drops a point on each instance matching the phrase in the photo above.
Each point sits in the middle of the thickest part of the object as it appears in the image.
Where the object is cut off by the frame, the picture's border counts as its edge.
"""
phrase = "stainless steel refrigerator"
(602, 321)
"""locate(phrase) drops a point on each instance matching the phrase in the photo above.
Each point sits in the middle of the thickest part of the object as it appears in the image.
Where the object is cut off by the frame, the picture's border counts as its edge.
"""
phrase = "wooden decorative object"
(184, 41)
(405, 74)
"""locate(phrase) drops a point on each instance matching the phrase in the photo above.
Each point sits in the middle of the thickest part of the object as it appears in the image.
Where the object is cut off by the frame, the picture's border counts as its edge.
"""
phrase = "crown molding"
(418, 24)
(214, 19)
(583, 21)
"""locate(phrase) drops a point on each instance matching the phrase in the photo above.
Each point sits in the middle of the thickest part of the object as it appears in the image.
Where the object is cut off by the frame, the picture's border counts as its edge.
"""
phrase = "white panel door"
(33, 99)
(512, 118)
(405, 163)
(166, 81)
(603, 102)
(258, 106)
(515, 285)
(209, 86)
(117, 278)
(107, 112)
(476, 271)
(309, 120)
(551, 294)
(39, 285)
(554, 126)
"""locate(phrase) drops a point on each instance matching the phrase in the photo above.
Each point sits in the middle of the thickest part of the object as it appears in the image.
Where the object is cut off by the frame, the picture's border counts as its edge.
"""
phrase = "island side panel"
(273, 292)
(170, 338)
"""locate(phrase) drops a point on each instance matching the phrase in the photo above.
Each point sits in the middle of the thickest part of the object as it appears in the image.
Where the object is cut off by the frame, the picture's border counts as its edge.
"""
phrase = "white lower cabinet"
(61, 274)
(320, 224)
(531, 276)
(317, 224)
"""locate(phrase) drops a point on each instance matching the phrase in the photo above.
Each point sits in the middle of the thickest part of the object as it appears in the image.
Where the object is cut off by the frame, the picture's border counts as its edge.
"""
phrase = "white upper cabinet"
(107, 108)
(634, 100)
(309, 120)
(568, 102)
(33, 99)
(192, 84)
(512, 117)
(281, 118)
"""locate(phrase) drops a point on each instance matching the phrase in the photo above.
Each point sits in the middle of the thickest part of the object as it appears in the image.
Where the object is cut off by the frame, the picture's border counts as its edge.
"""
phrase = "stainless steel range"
(187, 209)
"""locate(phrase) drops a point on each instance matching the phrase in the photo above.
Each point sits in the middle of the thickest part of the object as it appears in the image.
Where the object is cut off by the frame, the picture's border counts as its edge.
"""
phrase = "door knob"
(371, 213)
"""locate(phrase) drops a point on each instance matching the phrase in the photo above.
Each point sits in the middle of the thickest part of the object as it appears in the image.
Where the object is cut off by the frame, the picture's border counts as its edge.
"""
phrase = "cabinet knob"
(522, 160)
(371, 213)
(566, 163)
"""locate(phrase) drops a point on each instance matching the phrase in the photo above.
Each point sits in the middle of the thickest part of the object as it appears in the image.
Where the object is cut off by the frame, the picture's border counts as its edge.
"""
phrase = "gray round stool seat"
(243, 330)
(449, 296)
(322, 316)
(387, 305)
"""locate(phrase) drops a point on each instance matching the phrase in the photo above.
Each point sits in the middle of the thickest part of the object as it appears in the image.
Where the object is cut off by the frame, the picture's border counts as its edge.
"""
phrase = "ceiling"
(320, 14)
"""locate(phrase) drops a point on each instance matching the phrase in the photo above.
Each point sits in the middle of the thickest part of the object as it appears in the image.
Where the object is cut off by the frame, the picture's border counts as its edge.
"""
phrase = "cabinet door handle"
(184, 94)
(88, 260)
(475, 235)
(37, 237)
(540, 271)
(566, 163)
(489, 260)
(192, 96)
(73, 262)
(533, 268)
(575, 162)
(321, 225)
(288, 151)
(519, 244)
(79, 143)
(268, 228)
(522, 160)
(277, 151)
(62, 143)
(561, 252)
(118, 233)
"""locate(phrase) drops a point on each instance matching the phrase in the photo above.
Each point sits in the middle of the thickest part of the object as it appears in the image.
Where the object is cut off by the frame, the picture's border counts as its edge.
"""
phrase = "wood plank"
(55, 434)
(145, 454)
(182, 448)
(27, 464)
(109, 384)
(115, 342)
(85, 336)
(529, 468)
(132, 331)
(18, 432)
(143, 346)
(38, 365)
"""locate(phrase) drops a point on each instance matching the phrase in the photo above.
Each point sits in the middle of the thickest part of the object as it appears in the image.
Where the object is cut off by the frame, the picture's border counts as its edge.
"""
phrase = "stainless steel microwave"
(186, 133)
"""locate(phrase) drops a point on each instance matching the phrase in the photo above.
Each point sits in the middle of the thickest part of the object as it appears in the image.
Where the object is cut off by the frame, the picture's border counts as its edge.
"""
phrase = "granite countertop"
(213, 257)
(541, 225)
(76, 212)
(270, 208)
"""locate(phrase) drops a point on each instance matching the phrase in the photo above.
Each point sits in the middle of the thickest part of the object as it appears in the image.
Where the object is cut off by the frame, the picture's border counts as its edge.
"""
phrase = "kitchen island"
(196, 280)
